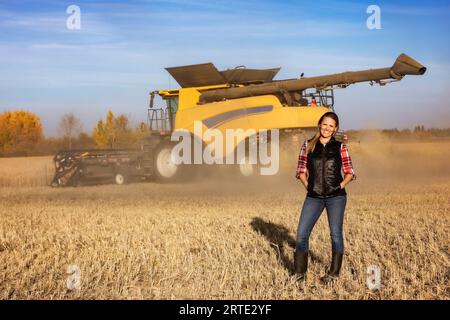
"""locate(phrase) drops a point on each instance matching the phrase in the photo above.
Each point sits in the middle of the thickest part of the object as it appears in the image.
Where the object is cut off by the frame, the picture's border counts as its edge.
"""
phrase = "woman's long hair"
(312, 142)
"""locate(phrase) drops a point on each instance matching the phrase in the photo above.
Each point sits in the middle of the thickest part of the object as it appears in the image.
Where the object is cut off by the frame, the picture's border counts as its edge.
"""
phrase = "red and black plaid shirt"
(347, 166)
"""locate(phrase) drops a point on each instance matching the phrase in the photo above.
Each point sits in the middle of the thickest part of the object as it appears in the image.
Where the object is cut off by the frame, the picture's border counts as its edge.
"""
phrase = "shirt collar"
(331, 139)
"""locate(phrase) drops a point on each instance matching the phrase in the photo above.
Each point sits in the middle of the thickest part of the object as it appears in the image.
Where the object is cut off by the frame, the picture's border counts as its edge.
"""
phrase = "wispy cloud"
(47, 23)
(411, 10)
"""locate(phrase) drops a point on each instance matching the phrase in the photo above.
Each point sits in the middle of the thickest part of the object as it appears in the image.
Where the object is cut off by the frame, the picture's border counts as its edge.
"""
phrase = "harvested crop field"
(227, 239)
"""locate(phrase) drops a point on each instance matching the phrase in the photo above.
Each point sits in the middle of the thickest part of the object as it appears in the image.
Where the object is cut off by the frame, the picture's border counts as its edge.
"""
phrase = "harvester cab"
(193, 80)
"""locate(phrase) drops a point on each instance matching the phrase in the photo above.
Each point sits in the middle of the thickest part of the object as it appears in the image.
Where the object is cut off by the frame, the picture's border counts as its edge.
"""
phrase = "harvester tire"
(164, 168)
(246, 169)
(120, 178)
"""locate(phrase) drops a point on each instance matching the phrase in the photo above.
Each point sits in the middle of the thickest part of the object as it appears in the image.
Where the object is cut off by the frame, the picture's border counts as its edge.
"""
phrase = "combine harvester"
(231, 99)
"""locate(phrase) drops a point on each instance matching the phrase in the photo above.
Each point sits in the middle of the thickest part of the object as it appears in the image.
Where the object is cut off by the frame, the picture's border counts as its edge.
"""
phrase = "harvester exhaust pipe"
(404, 65)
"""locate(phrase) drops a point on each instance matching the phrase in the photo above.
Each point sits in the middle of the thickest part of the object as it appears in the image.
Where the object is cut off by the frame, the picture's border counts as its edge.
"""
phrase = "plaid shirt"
(347, 166)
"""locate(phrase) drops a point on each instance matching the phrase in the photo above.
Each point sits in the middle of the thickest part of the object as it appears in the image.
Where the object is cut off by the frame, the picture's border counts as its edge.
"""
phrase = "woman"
(319, 169)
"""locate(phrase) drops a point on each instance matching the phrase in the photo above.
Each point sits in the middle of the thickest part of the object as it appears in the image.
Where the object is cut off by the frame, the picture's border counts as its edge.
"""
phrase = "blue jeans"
(311, 211)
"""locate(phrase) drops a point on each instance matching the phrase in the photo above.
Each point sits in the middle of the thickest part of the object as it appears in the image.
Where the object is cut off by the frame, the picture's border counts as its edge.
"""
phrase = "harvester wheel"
(247, 169)
(120, 178)
(165, 169)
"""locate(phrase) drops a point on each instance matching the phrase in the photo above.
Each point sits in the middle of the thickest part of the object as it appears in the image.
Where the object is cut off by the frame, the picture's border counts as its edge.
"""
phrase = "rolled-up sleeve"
(347, 165)
(302, 160)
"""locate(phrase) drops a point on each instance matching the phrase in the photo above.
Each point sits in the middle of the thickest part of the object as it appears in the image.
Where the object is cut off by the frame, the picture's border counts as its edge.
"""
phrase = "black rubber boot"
(300, 264)
(335, 268)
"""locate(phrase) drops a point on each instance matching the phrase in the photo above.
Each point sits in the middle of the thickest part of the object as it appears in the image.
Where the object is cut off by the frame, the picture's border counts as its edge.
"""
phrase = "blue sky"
(120, 52)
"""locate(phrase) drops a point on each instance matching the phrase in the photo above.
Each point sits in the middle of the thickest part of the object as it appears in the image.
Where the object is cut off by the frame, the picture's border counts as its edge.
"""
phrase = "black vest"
(324, 168)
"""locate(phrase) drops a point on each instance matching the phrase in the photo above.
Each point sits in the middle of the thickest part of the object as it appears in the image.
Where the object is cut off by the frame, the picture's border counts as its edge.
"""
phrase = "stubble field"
(226, 239)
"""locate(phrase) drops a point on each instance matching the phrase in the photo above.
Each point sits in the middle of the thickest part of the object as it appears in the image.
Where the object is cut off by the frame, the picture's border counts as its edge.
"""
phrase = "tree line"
(21, 134)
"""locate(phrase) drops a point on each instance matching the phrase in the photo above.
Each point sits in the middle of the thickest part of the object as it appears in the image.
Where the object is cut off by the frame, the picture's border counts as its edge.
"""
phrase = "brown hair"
(312, 142)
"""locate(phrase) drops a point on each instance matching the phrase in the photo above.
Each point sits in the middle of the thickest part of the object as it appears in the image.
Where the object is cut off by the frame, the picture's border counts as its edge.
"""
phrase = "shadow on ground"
(278, 235)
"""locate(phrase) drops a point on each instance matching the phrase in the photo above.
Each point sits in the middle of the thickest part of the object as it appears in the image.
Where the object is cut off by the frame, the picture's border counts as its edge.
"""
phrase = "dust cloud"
(377, 160)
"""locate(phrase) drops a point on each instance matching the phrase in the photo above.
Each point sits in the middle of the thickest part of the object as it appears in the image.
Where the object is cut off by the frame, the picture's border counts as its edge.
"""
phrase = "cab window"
(172, 102)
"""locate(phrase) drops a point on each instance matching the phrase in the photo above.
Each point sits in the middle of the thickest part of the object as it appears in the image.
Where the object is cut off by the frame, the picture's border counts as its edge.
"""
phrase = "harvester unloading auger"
(404, 65)
(230, 99)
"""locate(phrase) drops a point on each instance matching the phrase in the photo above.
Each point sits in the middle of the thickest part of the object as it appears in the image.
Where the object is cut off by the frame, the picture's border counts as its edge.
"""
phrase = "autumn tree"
(20, 131)
(70, 126)
(113, 132)
(84, 141)
(100, 137)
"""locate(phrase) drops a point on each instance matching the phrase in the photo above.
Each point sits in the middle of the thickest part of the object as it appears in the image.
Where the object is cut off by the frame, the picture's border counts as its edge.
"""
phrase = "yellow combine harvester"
(239, 98)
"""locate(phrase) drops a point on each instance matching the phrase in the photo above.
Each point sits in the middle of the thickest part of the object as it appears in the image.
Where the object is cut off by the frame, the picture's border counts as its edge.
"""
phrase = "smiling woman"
(319, 169)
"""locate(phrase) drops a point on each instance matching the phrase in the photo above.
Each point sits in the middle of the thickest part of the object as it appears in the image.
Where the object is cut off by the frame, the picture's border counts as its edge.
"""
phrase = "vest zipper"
(323, 172)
